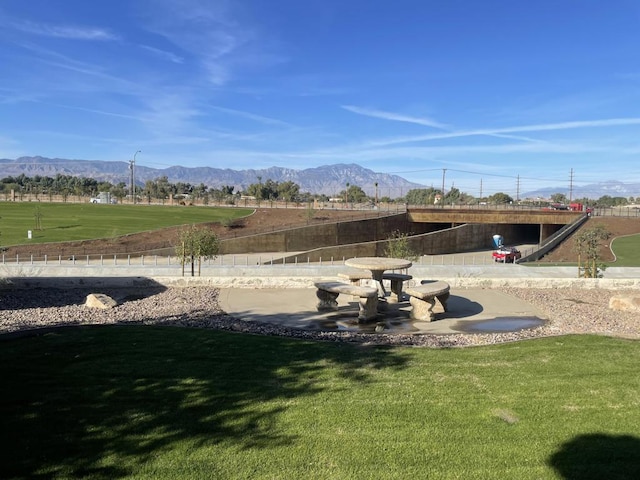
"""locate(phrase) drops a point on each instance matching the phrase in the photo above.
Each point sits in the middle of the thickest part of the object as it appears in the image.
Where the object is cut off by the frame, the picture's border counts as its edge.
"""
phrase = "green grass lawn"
(154, 402)
(627, 251)
(81, 221)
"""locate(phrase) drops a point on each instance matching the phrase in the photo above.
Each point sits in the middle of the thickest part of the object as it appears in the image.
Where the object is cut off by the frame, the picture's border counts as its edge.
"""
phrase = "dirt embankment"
(616, 226)
(146, 243)
(267, 219)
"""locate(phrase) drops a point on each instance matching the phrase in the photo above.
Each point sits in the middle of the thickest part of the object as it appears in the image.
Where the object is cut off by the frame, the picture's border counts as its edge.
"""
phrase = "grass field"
(82, 221)
(154, 402)
(627, 251)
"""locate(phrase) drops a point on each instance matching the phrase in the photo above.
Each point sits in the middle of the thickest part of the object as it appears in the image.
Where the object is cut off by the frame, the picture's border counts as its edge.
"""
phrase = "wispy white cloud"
(58, 60)
(172, 57)
(429, 122)
(65, 31)
(213, 33)
(251, 116)
(13, 96)
(370, 112)
(167, 114)
(610, 122)
(93, 110)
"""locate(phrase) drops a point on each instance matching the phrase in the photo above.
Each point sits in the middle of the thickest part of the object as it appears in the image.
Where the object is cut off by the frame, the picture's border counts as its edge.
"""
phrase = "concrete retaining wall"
(303, 276)
(464, 238)
(315, 236)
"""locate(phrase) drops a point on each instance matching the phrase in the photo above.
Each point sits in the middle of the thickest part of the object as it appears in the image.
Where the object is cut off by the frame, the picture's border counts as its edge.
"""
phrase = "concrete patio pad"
(296, 308)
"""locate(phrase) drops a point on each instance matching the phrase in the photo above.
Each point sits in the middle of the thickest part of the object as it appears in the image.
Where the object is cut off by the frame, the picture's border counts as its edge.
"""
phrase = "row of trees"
(604, 201)
(160, 189)
(59, 185)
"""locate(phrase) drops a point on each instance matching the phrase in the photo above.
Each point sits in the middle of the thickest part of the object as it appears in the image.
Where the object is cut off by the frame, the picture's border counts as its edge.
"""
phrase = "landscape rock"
(625, 303)
(100, 300)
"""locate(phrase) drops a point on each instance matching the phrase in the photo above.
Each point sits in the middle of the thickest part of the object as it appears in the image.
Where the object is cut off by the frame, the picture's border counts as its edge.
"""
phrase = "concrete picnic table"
(377, 266)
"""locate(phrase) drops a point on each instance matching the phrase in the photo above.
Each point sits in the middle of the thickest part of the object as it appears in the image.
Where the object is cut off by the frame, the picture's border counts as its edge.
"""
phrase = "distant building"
(103, 197)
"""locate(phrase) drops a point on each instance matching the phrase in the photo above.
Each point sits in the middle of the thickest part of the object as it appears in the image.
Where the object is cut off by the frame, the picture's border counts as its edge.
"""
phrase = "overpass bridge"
(524, 223)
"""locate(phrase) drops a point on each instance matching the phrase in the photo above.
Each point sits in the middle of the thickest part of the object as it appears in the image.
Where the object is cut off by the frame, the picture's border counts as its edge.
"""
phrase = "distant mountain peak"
(326, 179)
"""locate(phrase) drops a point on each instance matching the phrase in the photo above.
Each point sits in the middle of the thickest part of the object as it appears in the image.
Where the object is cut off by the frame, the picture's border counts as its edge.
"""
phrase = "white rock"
(100, 300)
(625, 303)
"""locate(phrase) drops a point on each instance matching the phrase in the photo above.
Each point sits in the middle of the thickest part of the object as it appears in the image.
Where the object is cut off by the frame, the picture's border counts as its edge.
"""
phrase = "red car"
(506, 255)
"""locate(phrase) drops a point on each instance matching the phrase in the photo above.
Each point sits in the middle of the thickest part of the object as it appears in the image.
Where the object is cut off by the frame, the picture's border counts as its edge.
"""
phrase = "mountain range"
(612, 188)
(328, 179)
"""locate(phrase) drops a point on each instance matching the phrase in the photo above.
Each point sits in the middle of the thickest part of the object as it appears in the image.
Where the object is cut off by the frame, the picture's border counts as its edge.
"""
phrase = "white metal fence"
(469, 258)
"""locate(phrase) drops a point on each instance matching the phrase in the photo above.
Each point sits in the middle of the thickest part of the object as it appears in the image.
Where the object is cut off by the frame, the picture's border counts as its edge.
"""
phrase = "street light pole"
(444, 171)
(132, 166)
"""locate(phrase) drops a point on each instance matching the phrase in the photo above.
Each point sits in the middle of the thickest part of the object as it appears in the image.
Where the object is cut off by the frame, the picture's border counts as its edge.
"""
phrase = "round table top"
(378, 263)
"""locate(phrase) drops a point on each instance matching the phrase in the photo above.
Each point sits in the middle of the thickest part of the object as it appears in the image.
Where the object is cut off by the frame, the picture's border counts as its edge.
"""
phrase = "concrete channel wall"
(316, 236)
(463, 238)
(369, 237)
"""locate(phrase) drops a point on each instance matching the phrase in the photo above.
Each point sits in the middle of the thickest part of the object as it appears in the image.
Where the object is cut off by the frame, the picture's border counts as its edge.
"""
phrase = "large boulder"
(100, 300)
(625, 303)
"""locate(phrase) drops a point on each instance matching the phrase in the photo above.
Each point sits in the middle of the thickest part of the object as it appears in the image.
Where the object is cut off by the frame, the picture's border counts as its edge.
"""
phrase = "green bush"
(398, 247)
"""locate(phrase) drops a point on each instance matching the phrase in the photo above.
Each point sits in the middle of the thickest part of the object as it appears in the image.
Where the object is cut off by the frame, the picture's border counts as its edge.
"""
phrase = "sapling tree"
(196, 244)
(38, 217)
(398, 247)
(587, 245)
(310, 211)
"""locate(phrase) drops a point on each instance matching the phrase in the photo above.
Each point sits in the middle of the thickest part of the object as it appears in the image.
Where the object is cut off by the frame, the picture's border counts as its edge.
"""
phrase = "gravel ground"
(570, 311)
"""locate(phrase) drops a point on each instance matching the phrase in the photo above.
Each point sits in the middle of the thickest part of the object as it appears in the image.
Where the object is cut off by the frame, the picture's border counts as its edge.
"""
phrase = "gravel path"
(571, 311)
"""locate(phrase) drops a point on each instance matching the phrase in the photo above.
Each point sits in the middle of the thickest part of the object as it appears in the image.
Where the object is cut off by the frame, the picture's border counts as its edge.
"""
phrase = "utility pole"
(346, 196)
(444, 171)
(571, 185)
(481, 190)
(518, 189)
(132, 167)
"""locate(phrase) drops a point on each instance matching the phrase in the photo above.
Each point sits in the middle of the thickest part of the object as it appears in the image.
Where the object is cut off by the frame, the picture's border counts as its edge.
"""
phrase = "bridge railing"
(554, 240)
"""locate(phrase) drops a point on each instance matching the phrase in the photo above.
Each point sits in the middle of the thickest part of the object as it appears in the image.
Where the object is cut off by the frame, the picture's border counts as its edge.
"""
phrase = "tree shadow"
(598, 456)
(101, 401)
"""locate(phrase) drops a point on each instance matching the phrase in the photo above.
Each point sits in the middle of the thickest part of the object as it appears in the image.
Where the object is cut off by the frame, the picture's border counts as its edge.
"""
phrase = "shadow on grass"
(598, 456)
(100, 402)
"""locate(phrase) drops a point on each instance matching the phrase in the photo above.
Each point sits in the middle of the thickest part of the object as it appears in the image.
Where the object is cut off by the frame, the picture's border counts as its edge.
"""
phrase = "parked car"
(506, 254)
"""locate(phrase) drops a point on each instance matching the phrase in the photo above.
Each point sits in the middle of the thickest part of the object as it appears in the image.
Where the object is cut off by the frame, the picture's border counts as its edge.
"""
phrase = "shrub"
(398, 247)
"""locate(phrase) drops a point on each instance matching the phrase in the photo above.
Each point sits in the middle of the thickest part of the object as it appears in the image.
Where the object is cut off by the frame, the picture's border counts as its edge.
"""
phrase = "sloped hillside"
(617, 226)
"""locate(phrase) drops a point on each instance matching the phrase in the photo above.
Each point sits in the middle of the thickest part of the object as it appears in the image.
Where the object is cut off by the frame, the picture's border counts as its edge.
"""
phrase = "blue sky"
(505, 95)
